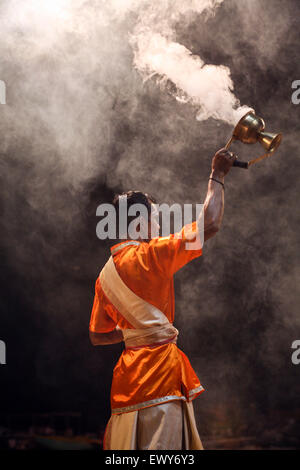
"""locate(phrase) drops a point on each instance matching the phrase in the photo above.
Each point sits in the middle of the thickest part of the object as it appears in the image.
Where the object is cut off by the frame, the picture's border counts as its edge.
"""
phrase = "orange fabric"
(151, 372)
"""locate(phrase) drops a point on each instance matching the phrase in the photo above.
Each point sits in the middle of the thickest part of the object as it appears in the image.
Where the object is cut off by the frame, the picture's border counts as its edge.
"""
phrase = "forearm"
(214, 205)
(100, 339)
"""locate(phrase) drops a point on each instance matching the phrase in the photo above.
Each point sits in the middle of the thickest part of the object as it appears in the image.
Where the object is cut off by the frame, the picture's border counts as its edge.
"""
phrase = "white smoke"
(68, 62)
(55, 55)
(209, 87)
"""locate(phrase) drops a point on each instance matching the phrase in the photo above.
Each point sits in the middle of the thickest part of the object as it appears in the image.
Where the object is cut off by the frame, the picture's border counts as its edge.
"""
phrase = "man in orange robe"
(153, 382)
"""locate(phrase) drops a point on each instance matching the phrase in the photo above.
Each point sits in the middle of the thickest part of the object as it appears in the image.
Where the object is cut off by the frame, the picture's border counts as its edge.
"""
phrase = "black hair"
(133, 197)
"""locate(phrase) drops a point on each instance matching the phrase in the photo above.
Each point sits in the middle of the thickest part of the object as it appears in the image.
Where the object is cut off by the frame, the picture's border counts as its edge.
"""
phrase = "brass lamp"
(250, 130)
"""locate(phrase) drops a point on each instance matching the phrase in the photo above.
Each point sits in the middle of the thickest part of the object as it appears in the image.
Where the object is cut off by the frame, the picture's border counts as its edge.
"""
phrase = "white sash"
(149, 323)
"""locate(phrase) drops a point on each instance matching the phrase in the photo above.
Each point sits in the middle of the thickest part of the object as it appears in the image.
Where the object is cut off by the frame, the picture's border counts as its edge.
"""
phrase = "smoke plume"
(209, 87)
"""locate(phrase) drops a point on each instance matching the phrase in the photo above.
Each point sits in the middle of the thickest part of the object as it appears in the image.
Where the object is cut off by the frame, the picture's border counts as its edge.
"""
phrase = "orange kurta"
(149, 375)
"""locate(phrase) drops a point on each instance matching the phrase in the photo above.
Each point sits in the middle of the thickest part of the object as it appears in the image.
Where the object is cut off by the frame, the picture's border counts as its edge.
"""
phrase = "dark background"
(80, 125)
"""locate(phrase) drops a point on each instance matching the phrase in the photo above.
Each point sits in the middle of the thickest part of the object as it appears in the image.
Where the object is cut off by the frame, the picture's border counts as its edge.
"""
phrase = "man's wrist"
(218, 175)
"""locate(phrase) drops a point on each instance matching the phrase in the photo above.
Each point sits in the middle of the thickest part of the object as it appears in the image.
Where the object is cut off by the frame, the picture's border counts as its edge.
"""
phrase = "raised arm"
(214, 201)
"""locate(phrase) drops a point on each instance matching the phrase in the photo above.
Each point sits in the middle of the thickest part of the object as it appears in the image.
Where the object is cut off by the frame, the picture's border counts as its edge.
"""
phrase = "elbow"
(216, 225)
(211, 230)
(215, 222)
(92, 338)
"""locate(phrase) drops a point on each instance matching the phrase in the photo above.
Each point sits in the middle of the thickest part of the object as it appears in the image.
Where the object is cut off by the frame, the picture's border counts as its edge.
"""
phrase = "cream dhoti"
(169, 426)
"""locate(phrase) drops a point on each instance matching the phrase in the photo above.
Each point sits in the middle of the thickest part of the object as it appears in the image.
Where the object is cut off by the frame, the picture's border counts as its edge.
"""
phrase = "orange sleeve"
(171, 253)
(101, 321)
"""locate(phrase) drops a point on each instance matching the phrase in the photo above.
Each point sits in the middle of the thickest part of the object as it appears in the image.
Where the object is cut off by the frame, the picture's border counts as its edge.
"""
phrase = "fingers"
(223, 161)
(232, 156)
(227, 154)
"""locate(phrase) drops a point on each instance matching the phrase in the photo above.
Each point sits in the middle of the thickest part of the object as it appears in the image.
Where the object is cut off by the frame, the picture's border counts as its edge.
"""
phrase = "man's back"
(149, 374)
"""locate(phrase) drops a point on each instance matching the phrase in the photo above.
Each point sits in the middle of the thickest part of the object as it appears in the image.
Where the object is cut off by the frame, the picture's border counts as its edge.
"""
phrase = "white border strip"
(115, 250)
(155, 401)
(195, 390)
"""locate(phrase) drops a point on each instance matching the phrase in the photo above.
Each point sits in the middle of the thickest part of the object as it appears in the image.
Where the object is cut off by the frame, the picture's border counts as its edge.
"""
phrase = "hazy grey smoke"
(209, 87)
(73, 69)
(53, 99)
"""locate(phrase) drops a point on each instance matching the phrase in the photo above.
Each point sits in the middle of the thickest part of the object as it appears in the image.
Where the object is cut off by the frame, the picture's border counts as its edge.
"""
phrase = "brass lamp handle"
(240, 164)
(237, 163)
(266, 155)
